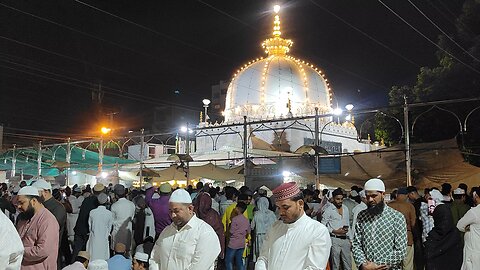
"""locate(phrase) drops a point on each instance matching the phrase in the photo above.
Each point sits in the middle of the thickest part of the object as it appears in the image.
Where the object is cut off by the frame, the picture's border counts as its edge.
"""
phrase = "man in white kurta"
(75, 202)
(470, 224)
(297, 242)
(189, 243)
(100, 223)
(11, 246)
(123, 212)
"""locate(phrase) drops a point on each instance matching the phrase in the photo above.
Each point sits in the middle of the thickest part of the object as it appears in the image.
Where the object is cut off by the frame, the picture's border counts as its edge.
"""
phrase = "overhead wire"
(67, 135)
(33, 137)
(366, 35)
(183, 42)
(443, 32)
(173, 38)
(122, 93)
(428, 39)
(146, 28)
(152, 30)
(92, 36)
(226, 14)
(63, 55)
(441, 12)
(341, 68)
(101, 39)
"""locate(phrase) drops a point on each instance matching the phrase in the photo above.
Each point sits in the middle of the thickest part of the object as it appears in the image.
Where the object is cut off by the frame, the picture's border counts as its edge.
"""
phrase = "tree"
(457, 75)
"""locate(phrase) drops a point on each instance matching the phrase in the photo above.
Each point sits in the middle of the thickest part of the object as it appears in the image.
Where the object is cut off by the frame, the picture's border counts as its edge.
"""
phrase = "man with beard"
(38, 230)
(336, 219)
(57, 209)
(187, 243)
(380, 240)
(297, 242)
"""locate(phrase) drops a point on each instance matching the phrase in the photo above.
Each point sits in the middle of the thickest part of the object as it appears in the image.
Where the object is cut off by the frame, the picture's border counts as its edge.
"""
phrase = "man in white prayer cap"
(98, 265)
(39, 231)
(140, 261)
(187, 243)
(380, 239)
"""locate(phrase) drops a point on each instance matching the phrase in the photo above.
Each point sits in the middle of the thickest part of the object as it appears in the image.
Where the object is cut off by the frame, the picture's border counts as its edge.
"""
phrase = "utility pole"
(14, 161)
(187, 152)
(68, 157)
(245, 148)
(39, 159)
(100, 156)
(408, 161)
(142, 146)
(317, 159)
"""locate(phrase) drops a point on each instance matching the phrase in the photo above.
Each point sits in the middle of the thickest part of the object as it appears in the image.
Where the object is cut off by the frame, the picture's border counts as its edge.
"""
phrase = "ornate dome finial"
(277, 45)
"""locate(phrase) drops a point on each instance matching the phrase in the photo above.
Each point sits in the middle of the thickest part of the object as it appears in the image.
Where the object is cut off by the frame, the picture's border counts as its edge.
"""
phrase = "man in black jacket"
(81, 227)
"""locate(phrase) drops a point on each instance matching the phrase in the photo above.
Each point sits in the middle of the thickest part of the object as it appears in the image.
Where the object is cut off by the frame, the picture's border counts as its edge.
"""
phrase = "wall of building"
(219, 95)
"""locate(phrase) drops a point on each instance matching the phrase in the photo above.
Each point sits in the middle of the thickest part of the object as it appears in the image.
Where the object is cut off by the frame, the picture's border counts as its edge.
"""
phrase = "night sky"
(152, 53)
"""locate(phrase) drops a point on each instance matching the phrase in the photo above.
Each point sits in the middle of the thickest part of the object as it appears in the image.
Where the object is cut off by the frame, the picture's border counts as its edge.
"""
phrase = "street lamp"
(276, 8)
(206, 102)
(349, 108)
(105, 130)
(337, 111)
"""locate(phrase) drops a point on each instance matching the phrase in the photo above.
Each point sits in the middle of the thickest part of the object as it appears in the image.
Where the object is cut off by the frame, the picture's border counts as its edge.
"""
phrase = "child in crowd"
(239, 231)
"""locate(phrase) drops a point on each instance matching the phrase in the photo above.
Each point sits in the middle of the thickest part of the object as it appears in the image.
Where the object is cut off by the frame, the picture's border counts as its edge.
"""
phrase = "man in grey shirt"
(336, 219)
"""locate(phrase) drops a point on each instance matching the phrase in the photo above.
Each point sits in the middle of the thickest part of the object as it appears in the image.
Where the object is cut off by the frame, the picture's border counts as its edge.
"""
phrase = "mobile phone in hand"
(431, 206)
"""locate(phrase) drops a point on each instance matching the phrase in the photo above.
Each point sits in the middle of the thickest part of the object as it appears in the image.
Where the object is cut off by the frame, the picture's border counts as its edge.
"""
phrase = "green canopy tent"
(80, 160)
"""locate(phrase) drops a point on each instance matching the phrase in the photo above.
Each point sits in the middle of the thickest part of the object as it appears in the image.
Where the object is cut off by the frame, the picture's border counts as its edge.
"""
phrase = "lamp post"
(349, 108)
(408, 157)
(206, 102)
(104, 131)
(187, 131)
(142, 149)
(337, 111)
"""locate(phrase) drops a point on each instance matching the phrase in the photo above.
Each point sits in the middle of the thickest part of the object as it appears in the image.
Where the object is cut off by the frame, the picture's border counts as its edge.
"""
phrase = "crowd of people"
(206, 228)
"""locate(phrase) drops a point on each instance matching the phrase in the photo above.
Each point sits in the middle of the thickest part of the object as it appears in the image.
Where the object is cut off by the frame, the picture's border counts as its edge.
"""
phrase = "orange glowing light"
(105, 130)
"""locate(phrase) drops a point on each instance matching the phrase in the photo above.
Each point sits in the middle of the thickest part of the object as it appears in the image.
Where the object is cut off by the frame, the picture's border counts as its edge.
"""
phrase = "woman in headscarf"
(204, 211)
(443, 250)
(263, 219)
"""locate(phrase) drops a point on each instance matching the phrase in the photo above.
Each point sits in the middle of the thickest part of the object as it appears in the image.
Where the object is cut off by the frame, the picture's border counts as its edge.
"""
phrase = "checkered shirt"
(381, 239)
(427, 221)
